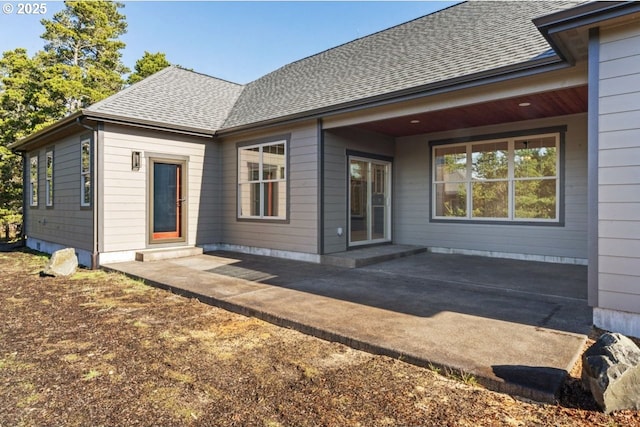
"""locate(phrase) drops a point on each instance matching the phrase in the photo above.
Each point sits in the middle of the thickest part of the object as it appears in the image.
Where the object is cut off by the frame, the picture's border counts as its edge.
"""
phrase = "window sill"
(497, 222)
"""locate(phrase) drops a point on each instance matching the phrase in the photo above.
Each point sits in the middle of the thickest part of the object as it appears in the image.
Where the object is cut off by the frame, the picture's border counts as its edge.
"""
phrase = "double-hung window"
(33, 180)
(49, 179)
(506, 179)
(262, 181)
(85, 172)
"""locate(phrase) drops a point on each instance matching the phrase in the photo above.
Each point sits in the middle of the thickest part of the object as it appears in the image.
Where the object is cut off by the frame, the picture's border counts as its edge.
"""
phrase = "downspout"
(94, 191)
(25, 197)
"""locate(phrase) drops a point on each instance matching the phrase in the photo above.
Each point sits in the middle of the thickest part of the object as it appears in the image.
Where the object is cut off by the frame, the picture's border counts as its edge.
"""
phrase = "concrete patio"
(517, 326)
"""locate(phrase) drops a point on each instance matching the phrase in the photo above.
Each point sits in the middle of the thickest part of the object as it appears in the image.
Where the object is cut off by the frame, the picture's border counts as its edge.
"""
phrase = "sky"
(237, 41)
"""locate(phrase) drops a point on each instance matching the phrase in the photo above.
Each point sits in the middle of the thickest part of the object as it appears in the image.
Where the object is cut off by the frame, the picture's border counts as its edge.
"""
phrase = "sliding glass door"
(369, 201)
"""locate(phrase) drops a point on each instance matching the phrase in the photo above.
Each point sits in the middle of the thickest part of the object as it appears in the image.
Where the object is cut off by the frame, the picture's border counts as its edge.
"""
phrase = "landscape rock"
(63, 263)
(611, 371)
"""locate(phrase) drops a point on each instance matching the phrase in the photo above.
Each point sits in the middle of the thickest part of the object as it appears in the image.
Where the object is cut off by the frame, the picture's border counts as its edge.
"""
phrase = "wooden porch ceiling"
(548, 104)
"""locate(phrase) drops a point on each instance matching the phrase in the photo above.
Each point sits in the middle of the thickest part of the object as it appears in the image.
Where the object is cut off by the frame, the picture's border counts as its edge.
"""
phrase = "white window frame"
(261, 180)
(48, 187)
(511, 181)
(33, 181)
(85, 174)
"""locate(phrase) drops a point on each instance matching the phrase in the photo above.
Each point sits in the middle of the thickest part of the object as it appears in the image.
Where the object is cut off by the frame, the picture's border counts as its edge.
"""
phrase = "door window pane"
(165, 198)
(359, 197)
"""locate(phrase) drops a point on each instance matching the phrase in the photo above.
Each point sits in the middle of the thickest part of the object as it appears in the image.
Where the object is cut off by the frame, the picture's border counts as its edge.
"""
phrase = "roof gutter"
(148, 124)
(76, 119)
(588, 14)
(497, 75)
(59, 126)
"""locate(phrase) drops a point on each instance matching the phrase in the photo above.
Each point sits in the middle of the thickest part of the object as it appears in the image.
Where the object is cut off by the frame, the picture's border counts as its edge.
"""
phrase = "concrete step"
(167, 253)
(356, 258)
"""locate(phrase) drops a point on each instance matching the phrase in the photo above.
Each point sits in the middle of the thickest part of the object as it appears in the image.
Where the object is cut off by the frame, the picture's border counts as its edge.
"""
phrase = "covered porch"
(399, 198)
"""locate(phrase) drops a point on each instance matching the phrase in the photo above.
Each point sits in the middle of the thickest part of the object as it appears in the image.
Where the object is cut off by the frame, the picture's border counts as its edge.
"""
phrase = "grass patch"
(92, 374)
(141, 324)
(170, 399)
(73, 357)
(179, 376)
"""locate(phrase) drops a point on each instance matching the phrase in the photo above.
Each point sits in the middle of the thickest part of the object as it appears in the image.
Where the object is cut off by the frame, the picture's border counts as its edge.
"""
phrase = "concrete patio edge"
(325, 333)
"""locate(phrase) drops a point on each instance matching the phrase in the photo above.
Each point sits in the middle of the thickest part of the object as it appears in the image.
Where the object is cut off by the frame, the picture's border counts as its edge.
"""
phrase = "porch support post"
(320, 154)
(592, 166)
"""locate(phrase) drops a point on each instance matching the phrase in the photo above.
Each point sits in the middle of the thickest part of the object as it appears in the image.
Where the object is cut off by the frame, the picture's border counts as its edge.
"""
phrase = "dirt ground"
(98, 349)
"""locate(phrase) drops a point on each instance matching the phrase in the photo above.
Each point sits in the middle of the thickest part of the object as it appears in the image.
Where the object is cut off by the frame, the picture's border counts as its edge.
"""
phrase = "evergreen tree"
(83, 53)
(81, 64)
(149, 64)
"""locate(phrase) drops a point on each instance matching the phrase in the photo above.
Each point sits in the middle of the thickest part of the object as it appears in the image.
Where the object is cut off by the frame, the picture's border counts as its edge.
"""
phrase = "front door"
(167, 202)
(369, 201)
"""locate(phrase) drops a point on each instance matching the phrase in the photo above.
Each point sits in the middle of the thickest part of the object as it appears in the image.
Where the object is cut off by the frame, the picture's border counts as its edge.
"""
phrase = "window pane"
(490, 199)
(451, 163)
(34, 169)
(275, 198)
(273, 159)
(33, 178)
(535, 157)
(451, 200)
(490, 161)
(86, 185)
(49, 193)
(249, 199)
(535, 199)
(86, 157)
(250, 164)
(49, 165)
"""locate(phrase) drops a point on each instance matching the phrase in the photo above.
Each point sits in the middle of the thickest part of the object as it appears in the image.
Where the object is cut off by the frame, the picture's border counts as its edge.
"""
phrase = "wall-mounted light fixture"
(135, 160)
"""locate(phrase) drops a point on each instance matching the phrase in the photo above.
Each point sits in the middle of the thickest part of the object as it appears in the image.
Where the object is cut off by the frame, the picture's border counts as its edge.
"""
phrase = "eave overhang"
(555, 25)
(524, 69)
(79, 118)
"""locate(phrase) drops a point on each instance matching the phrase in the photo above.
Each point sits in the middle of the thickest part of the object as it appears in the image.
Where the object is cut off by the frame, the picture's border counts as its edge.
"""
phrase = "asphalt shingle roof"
(464, 39)
(174, 97)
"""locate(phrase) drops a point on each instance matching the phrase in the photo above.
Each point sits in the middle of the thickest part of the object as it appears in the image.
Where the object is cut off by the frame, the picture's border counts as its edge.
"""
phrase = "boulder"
(611, 371)
(63, 263)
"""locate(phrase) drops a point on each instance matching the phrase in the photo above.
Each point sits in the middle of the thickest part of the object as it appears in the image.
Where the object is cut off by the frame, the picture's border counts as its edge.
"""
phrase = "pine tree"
(83, 53)
(149, 64)
(81, 64)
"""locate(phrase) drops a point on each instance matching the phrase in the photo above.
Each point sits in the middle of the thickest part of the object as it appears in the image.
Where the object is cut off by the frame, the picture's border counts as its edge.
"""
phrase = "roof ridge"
(96, 105)
(180, 67)
(148, 80)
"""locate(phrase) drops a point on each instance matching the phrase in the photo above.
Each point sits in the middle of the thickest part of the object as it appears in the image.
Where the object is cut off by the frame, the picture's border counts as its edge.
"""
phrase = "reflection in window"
(510, 179)
(450, 181)
(262, 185)
(535, 168)
(33, 181)
(85, 172)
(49, 179)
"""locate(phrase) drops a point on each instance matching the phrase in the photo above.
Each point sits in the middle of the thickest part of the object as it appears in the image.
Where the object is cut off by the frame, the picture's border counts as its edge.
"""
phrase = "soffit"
(547, 104)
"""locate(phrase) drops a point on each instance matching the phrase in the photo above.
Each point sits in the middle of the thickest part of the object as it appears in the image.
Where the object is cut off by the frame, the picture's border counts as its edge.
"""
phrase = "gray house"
(503, 129)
